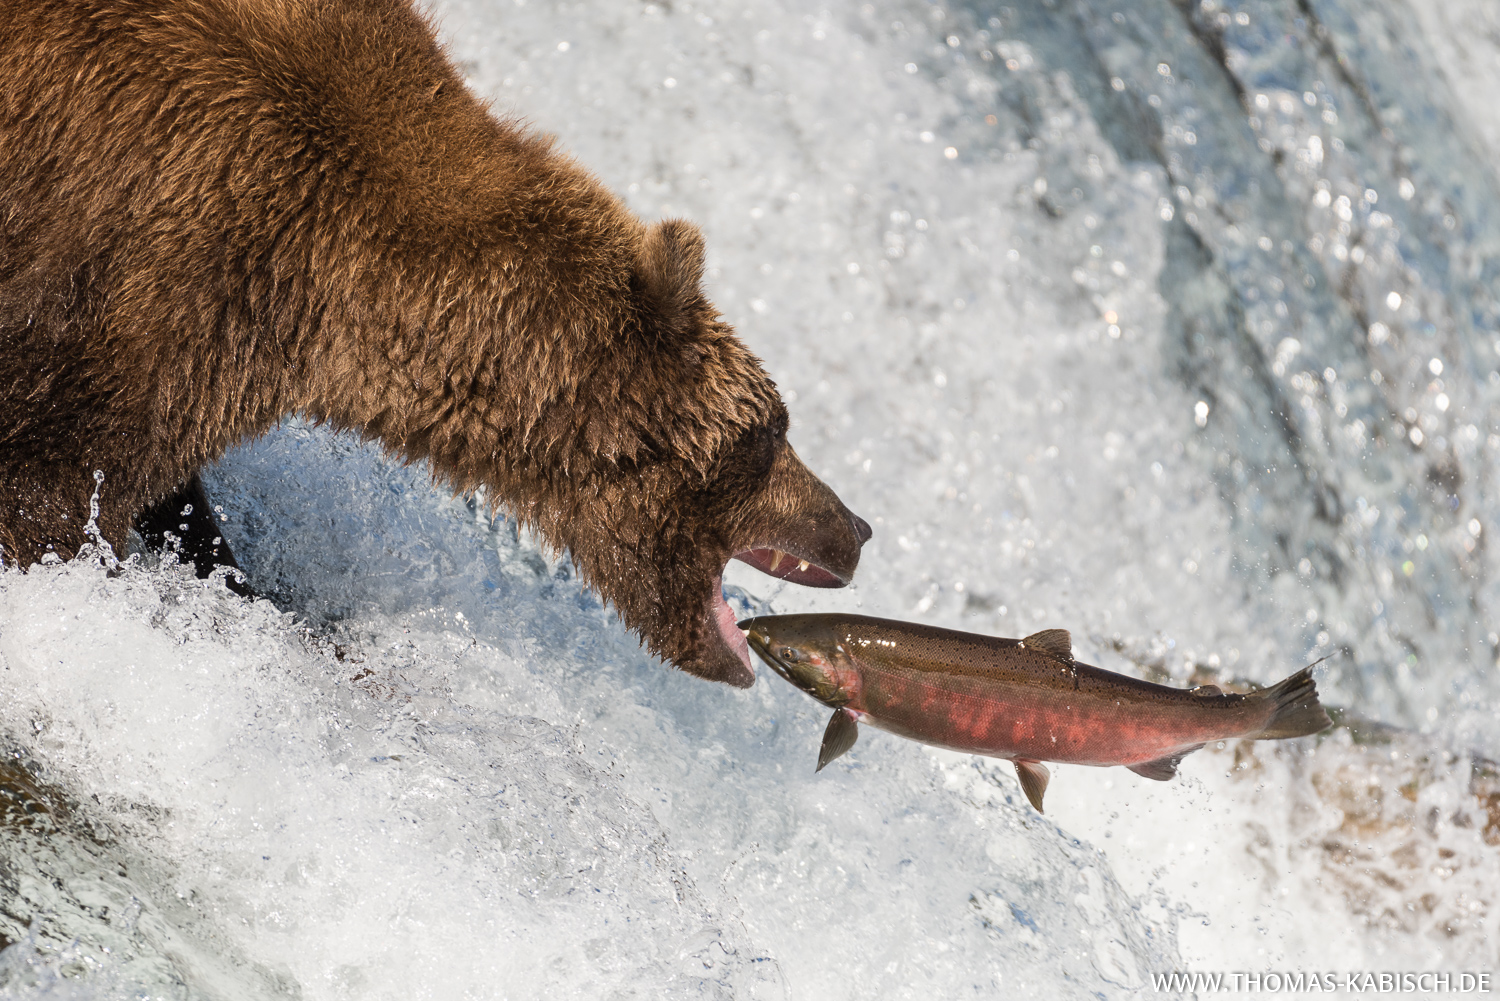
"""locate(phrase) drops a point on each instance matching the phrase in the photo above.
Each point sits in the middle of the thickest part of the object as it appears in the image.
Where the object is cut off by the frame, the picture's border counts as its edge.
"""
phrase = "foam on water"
(420, 804)
(1092, 335)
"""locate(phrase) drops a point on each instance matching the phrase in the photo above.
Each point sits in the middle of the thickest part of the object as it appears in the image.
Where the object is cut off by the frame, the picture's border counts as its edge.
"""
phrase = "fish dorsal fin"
(841, 734)
(1208, 690)
(1055, 643)
(1162, 769)
(1034, 778)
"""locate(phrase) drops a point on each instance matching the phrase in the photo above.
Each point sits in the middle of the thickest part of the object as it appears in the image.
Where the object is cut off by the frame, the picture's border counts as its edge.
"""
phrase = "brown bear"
(214, 213)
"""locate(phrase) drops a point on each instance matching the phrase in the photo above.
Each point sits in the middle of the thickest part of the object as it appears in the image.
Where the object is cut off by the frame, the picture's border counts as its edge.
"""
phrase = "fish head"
(806, 650)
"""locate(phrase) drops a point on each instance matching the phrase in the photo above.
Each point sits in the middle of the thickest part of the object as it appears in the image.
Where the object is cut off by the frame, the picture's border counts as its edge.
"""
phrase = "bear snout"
(800, 531)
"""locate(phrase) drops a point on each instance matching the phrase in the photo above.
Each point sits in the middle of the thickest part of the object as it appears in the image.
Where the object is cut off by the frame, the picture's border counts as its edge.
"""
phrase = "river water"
(1172, 324)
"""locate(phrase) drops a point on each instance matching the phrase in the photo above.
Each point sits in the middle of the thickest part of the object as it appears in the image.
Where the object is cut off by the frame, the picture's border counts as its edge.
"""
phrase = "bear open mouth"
(776, 563)
(789, 567)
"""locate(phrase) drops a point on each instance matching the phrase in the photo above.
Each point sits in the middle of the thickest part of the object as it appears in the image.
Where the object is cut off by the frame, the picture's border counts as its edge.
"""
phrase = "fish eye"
(789, 654)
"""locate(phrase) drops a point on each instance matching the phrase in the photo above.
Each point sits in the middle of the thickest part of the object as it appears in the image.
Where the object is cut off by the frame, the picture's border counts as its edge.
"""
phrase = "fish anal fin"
(1034, 778)
(1163, 769)
(1055, 643)
(841, 734)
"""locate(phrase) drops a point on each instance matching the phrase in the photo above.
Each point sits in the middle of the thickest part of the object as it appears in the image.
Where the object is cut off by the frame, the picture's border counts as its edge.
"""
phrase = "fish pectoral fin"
(841, 734)
(1162, 769)
(1055, 643)
(1034, 778)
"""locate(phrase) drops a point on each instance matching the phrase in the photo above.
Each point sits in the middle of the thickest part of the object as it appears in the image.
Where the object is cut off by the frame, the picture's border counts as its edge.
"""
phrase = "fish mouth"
(762, 647)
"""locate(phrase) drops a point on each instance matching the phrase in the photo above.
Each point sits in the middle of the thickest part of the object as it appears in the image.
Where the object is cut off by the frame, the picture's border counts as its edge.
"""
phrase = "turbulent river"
(1174, 324)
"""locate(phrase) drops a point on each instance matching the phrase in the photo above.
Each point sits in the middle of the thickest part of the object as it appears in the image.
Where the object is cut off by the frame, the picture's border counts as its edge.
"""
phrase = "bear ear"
(671, 269)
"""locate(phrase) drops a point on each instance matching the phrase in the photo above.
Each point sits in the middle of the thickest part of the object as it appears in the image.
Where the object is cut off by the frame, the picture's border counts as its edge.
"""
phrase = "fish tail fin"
(1295, 709)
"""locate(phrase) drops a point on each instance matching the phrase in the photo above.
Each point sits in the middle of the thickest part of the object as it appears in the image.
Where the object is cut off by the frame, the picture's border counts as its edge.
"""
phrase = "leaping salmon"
(1027, 700)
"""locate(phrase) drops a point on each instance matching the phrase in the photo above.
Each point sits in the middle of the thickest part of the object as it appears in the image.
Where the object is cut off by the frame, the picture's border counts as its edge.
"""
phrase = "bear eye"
(756, 450)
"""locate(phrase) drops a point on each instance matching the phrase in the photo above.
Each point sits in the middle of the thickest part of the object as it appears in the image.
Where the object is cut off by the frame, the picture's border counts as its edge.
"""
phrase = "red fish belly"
(1075, 731)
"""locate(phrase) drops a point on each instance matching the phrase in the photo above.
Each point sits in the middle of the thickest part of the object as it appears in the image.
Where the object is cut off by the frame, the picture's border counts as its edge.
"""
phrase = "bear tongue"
(729, 629)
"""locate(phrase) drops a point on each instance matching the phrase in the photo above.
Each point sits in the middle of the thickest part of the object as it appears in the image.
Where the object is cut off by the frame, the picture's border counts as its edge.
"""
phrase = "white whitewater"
(1087, 343)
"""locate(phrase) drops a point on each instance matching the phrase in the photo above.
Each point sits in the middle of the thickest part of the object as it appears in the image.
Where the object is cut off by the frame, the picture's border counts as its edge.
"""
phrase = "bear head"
(689, 436)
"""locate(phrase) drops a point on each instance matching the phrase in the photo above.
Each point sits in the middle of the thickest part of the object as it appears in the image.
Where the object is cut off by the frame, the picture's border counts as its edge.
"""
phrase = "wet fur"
(216, 213)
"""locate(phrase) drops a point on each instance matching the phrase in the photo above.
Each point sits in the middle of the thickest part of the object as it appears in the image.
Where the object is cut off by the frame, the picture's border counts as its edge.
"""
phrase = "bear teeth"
(802, 564)
(776, 559)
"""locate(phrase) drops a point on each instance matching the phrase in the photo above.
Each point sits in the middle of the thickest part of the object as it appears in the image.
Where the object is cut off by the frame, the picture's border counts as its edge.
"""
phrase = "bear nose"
(861, 528)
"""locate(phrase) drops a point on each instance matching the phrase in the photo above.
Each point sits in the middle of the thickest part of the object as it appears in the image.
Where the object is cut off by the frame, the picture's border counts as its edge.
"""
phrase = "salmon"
(1025, 700)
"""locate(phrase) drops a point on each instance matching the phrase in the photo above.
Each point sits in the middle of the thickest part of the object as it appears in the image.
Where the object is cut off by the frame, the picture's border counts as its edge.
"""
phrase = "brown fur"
(214, 213)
